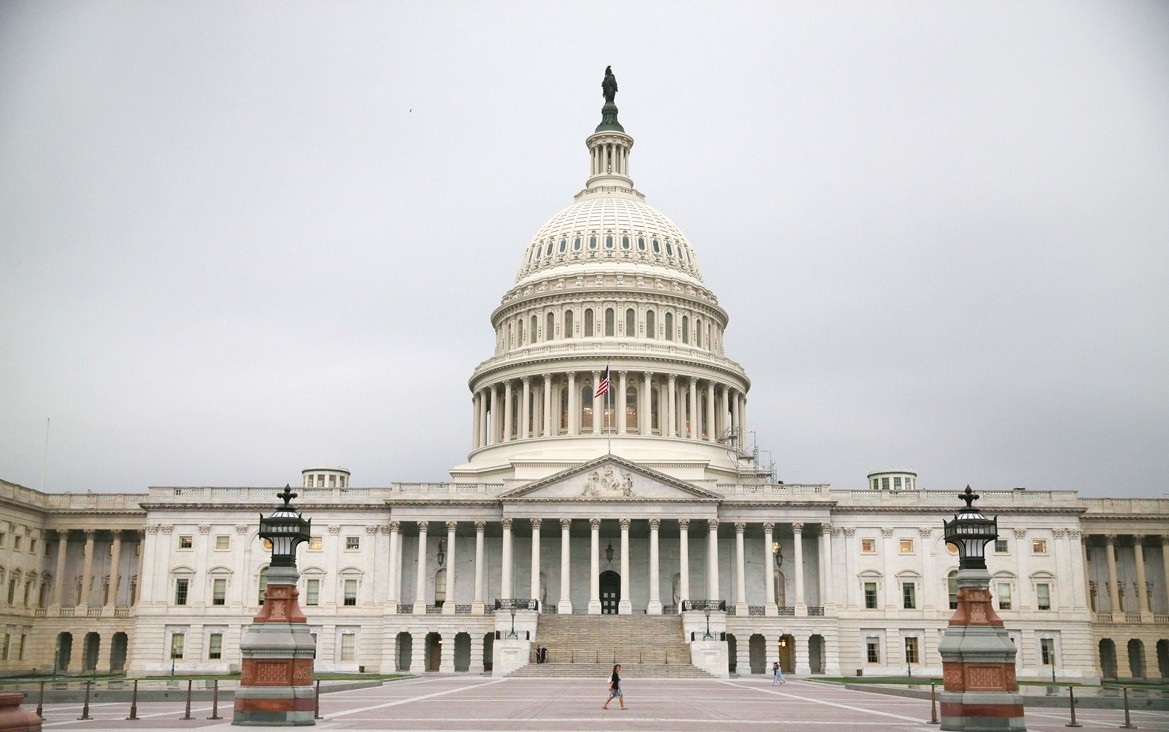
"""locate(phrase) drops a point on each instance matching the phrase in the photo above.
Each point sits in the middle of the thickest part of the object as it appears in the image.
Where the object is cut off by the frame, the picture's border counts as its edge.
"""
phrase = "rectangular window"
(215, 646)
(908, 595)
(1047, 651)
(350, 592)
(16, 540)
(1001, 546)
(1043, 596)
(352, 543)
(1092, 595)
(32, 546)
(20, 647)
(871, 595)
(1004, 596)
(348, 646)
(896, 482)
(873, 650)
(911, 650)
(312, 594)
(222, 542)
(7, 643)
(1039, 546)
(905, 546)
(3, 539)
(219, 591)
(181, 586)
(186, 542)
(316, 544)
(177, 642)
(868, 546)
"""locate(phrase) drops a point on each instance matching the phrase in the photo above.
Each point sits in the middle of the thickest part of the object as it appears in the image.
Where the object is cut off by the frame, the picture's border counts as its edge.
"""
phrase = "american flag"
(603, 385)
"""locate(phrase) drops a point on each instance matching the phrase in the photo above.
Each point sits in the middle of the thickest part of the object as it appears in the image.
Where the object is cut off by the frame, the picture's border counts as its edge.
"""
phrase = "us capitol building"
(609, 497)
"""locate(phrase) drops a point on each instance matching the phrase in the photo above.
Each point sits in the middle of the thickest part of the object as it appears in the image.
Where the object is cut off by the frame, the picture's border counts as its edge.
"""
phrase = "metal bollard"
(317, 705)
(1072, 706)
(1127, 720)
(134, 702)
(187, 715)
(215, 701)
(85, 706)
(933, 704)
(41, 701)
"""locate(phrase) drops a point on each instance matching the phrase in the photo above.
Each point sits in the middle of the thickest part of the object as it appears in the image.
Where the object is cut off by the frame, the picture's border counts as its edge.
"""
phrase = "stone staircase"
(646, 646)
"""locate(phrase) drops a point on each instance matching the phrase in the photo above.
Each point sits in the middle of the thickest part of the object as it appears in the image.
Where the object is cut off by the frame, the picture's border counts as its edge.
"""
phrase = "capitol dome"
(608, 342)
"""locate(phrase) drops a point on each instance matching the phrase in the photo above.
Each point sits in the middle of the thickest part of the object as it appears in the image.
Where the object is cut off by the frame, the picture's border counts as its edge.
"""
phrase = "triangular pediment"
(609, 478)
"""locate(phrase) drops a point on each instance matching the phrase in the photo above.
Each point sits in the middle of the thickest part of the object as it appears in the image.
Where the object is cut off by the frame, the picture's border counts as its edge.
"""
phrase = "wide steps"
(601, 671)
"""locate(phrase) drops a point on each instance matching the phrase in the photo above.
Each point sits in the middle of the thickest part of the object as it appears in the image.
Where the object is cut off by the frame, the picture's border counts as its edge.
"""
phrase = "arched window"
(669, 248)
(610, 325)
(586, 407)
(641, 243)
(262, 585)
(625, 242)
(550, 327)
(563, 245)
(631, 408)
(532, 329)
(780, 590)
(698, 332)
(563, 409)
(593, 241)
(588, 324)
(510, 334)
(651, 330)
(685, 329)
(657, 247)
(668, 321)
(568, 324)
(952, 588)
(609, 241)
(548, 251)
(576, 244)
(519, 332)
(440, 587)
(655, 422)
(630, 323)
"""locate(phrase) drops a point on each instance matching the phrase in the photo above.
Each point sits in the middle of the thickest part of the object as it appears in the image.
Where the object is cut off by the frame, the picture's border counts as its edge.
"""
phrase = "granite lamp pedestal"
(277, 649)
(978, 658)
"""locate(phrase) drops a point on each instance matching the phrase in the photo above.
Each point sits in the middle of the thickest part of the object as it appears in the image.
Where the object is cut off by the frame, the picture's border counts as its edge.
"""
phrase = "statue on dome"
(609, 85)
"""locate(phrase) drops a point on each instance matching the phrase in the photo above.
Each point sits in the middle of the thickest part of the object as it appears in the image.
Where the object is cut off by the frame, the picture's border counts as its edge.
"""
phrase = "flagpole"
(608, 410)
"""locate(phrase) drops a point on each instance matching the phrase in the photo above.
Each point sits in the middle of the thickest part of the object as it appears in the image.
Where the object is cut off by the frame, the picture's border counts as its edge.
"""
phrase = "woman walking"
(615, 688)
(777, 674)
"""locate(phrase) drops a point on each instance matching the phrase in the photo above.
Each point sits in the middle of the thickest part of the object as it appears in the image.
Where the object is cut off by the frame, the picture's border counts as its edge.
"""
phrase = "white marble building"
(637, 503)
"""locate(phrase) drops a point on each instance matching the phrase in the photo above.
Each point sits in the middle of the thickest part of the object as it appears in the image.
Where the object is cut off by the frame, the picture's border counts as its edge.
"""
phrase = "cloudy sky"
(237, 239)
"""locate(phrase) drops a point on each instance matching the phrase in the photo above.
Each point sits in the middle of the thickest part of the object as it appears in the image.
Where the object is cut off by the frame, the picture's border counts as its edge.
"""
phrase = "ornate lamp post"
(277, 648)
(978, 658)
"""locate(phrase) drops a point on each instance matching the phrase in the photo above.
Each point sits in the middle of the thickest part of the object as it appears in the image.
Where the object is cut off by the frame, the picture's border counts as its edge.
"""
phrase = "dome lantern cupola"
(609, 145)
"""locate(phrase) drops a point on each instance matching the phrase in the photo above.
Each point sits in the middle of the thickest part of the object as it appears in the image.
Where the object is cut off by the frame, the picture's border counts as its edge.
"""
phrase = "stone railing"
(1134, 506)
(592, 346)
(815, 611)
(787, 610)
(771, 489)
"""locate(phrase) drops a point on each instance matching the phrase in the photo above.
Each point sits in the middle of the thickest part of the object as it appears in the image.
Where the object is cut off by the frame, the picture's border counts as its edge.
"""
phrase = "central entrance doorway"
(610, 583)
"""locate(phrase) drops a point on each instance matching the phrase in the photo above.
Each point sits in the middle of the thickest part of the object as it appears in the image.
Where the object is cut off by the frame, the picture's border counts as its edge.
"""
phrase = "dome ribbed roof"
(604, 227)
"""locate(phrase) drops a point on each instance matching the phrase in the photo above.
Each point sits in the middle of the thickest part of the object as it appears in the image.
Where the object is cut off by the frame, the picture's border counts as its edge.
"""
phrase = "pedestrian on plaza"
(615, 688)
(777, 674)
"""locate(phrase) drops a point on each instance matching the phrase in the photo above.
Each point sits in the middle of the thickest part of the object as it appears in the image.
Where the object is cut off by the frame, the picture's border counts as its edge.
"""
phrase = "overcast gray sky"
(237, 239)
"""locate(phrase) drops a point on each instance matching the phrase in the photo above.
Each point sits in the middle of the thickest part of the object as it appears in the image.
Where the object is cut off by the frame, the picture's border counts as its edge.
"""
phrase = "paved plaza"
(462, 703)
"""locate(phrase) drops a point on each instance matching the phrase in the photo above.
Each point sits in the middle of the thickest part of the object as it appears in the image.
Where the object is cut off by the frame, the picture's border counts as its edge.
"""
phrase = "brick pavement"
(483, 704)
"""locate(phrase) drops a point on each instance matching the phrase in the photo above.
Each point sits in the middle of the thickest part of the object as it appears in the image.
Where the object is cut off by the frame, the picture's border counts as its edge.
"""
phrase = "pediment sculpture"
(605, 483)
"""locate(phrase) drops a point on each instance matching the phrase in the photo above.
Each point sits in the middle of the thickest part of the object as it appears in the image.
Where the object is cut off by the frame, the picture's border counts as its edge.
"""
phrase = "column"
(535, 584)
(769, 607)
(87, 572)
(724, 411)
(476, 666)
(395, 571)
(448, 606)
(493, 415)
(692, 423)
(477, 603)
(625, 605)
(620, 401)
(484, 403)
(735, 425)
(655, 581)
(1142, 593)
(740, 570)
(476, 404)
(743, 417)
(671, 406)
(1165, 558)
(1022, 599)
(547, 405)
(711, 434)
(111, 598)
(712, 560)
(564, 607)
(594, 567)
(798, 570)
(645, 418)
(505, 572)
(573, 407)
(137, 593)
(683, 560)
(525, 408)
(826, 564)
(1113, 593)
(850, 568)
(507, 415)
(59, 575)
(1063, 599)
(420, 579)
(598, 413)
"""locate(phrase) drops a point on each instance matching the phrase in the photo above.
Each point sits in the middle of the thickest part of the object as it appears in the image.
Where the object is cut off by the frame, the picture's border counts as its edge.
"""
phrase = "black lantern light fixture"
(970, 532)
(609, 552)
(441, 551)
(777, 551)
(285, 530)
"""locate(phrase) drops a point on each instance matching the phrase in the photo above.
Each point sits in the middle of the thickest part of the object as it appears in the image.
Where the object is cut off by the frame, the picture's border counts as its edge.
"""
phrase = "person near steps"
(615, 688)
(777, 674)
